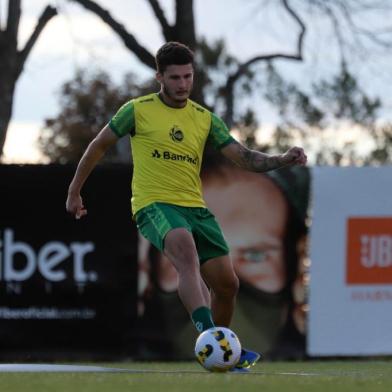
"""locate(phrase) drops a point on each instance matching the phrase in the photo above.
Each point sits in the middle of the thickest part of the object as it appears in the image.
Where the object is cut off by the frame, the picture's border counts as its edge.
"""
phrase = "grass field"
(347, 376)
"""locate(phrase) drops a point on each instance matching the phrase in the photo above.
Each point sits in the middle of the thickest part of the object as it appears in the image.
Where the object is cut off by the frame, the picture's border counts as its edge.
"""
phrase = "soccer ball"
(218, 349)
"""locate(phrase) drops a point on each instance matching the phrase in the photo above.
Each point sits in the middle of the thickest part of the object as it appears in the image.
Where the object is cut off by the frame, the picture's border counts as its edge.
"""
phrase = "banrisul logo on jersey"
(171, 156)
(176, 134)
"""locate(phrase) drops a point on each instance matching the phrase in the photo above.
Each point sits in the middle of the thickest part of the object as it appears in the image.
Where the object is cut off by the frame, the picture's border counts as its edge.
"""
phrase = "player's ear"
(158, 77)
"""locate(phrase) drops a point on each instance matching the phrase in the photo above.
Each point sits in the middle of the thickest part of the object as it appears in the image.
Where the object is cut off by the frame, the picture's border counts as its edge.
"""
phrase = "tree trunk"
(5, 117)
(12, 60)
(8, 66)
(7, 88)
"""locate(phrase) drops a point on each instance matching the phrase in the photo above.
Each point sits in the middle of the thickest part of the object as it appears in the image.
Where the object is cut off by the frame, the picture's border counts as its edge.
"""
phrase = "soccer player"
(168, 135)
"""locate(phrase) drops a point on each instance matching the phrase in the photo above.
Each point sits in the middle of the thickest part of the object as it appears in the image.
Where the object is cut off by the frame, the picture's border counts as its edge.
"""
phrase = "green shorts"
(157, 219)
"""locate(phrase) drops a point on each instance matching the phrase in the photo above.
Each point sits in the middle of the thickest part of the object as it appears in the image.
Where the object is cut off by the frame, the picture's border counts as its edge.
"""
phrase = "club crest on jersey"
(176, 134)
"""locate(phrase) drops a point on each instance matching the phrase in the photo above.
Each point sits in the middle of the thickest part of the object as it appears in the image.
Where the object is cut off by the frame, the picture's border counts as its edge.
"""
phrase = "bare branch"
(297, 56)
(300, 23)
(167, 30)
(48, 13)
(336, 27)
(243, 68)
(374, 38)
(128, 39)
(357, 31)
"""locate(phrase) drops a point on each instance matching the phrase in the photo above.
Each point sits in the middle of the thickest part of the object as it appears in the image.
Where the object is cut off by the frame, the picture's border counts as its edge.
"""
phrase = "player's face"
(253, 219)
(176, 83)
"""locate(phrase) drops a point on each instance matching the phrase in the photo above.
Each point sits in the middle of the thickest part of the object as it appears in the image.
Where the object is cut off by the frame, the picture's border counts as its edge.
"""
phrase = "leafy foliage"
(333, 109)
(88, 102)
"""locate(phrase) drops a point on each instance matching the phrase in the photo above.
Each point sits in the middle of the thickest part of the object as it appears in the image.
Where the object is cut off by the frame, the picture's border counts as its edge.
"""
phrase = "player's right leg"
(167, 228)
(181, 250)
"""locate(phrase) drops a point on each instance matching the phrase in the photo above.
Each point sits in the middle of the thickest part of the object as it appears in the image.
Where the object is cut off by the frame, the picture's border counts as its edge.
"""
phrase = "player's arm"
(121, 124)
(260, 162)
(246, 158)
(94, 152)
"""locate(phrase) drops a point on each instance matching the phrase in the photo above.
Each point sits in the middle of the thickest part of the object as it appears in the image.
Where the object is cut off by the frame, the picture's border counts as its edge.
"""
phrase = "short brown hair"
(173, 53)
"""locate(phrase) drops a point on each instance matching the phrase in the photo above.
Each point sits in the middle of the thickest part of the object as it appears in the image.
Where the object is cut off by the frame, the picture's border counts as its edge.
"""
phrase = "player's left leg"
(219, 274)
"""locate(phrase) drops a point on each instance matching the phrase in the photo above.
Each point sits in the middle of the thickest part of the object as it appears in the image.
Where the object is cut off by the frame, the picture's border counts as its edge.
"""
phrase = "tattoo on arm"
(255, 160)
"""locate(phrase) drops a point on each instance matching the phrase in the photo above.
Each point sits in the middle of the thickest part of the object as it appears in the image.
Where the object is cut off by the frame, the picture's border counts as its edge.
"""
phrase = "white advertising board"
(350, 294)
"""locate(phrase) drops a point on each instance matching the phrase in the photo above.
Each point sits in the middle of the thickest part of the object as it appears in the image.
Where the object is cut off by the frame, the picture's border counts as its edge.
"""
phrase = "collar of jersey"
(170, 107)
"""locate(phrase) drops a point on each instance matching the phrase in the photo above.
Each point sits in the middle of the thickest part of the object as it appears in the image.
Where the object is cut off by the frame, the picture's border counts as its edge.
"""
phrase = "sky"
(76, 38)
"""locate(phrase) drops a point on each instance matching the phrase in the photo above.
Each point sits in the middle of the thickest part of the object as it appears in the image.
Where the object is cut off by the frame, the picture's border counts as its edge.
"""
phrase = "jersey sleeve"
(123, 122)
(219, 135)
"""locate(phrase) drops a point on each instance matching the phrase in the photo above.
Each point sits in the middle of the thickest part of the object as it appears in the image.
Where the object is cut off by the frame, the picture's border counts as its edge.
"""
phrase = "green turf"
(347, 376)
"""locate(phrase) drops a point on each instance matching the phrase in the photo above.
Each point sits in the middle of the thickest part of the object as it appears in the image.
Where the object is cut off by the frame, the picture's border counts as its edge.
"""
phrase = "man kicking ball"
(168, 135)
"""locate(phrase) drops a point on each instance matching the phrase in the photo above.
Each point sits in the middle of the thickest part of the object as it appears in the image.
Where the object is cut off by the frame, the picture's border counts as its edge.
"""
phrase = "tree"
(88, 101)
(347, 18)
(12, 60)
(238, 78)
(342, 15)
(382, 153)
(183, 30)
(310, 118)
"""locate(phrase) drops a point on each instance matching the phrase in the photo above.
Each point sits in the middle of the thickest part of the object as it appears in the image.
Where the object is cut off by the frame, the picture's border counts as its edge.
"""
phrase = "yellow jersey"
(167, 149)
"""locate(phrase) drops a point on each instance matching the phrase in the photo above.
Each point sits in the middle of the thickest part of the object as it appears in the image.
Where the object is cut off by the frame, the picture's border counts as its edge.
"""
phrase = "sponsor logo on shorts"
(171, 156)
(369, 250)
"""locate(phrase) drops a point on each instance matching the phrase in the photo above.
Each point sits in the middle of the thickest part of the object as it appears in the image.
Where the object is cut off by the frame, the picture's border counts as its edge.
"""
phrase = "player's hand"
(295, 156)
(74, 205)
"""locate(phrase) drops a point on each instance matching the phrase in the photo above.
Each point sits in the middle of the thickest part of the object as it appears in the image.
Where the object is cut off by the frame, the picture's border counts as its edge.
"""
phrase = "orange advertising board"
(369, 250)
